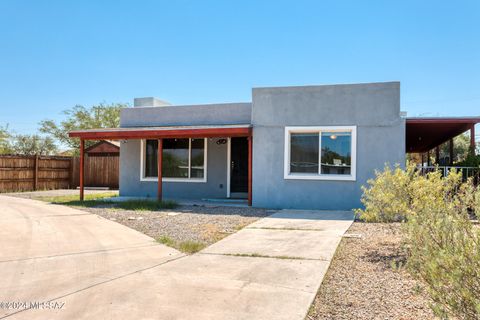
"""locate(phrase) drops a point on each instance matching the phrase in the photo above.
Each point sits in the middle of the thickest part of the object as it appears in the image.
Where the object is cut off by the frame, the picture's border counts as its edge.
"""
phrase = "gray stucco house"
(308, 147)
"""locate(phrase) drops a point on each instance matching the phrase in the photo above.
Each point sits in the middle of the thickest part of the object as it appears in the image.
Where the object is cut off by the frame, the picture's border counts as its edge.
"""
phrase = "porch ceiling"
(242, 130)
(424, 134)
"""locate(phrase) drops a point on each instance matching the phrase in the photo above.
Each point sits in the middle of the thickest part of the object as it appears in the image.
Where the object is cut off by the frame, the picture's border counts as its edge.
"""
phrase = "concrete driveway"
(75, 265)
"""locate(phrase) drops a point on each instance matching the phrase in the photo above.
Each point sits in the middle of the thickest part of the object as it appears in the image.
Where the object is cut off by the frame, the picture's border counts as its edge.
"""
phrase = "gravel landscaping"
(201, 224)
(366, 279)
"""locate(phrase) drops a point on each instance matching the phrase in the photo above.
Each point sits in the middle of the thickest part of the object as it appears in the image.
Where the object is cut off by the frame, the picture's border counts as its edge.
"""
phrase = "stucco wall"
(375, 110)
(228, 113)
(215, 187)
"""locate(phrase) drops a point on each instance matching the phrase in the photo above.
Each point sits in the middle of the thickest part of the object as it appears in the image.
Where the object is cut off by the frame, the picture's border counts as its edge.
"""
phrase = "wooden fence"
(100, 171)
(28, 173)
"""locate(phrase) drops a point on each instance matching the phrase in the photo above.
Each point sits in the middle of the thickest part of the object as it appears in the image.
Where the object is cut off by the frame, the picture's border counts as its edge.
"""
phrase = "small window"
(326, 153)
(183, 160)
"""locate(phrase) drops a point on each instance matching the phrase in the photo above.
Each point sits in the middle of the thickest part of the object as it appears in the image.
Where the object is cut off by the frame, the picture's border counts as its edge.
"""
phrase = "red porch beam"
(82, 167)
(159, 168)
(250, 149)
(127, 133)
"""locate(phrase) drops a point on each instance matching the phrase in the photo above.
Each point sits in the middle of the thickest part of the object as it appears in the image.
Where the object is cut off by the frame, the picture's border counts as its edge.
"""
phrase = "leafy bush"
(388, 197)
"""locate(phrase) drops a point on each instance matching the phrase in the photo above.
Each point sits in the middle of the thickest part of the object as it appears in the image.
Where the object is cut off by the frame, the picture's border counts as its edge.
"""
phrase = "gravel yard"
(202, 224)
(363, 282)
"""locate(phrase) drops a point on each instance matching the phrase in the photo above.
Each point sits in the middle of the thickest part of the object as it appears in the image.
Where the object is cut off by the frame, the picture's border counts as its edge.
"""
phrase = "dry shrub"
(388, 197)
(443, 244)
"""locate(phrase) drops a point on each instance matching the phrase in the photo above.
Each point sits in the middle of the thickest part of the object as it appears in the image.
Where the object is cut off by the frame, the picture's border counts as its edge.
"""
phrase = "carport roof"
(424, 134)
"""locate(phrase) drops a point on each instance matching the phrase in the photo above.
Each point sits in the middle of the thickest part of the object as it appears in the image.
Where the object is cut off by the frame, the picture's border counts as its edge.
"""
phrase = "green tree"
(461, 148)
(26, 144)
(4, 140)
(81, 118)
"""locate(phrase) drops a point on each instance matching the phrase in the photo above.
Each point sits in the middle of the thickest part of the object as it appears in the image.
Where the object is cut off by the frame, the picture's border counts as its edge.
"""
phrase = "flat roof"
(471, 120)
(203, 131)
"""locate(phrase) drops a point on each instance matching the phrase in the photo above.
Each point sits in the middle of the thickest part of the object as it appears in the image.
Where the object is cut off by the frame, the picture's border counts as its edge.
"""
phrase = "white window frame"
(319, 176)
(143, 145)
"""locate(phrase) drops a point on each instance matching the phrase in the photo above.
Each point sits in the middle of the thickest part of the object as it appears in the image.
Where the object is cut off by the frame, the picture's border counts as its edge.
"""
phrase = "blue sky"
(55, 54)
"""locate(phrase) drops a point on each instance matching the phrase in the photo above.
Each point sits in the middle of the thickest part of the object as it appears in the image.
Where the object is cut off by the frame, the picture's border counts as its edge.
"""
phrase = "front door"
(239, 168)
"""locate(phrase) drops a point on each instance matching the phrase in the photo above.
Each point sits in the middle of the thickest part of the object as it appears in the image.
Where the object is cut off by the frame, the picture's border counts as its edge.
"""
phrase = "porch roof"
(424, 134)
(205, 131)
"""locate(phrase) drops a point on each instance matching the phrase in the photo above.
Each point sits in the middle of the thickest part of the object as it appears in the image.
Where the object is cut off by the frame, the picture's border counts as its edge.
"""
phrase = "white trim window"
(321, 153)
(184, 160)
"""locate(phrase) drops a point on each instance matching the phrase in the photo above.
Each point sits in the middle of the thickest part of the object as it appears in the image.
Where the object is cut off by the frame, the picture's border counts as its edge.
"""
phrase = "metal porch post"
(450, 145)
(472, 139)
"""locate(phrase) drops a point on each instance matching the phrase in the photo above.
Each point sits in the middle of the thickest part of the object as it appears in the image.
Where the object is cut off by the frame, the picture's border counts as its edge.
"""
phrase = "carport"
(423, 135)
(160, 133)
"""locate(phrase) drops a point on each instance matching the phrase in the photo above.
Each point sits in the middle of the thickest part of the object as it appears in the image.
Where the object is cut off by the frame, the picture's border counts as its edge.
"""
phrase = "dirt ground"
(366, 279)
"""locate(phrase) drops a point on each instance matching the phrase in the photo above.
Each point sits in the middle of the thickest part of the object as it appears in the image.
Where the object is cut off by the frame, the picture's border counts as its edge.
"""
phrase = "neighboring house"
(104, 148)
(309, 147)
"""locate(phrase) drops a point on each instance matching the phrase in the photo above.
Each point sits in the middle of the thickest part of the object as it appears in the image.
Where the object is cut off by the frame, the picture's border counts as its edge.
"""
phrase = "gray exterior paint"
(373, 108)
(212, 114)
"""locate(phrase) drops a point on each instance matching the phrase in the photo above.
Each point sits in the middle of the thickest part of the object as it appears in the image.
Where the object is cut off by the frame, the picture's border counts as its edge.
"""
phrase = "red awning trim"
(453, 120)
(164, 132)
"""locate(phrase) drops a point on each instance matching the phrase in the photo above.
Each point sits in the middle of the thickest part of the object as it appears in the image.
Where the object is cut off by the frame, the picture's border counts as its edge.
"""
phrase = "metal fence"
(467, 172)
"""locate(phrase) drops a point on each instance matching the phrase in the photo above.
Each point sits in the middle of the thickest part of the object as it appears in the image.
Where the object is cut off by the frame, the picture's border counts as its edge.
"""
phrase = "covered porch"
(426, 136)
(161, 135)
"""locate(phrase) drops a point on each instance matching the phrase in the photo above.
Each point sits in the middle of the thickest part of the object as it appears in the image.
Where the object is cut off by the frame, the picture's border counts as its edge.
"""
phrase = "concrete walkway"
(98, 269)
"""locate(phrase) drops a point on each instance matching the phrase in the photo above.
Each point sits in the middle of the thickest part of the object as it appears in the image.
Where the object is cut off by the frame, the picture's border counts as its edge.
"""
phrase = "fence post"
(35, 174)
(70, 174)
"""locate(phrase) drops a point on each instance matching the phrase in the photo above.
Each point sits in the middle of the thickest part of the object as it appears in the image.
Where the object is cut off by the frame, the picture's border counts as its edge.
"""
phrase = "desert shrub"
(476, 203)
(388, 198)
(443, 244)
(444, 252)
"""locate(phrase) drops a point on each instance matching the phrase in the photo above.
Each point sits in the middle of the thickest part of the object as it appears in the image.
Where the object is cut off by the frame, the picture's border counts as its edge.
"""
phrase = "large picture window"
(322, 153)
(183, 160)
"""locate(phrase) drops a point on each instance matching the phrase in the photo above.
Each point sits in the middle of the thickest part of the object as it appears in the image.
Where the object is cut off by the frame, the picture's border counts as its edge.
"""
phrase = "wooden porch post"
(82, 165)
(159, 168)
(450, 145)
(250, 142)
(423, 158)
(472, 139)
(428, 158)
(437, 155)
